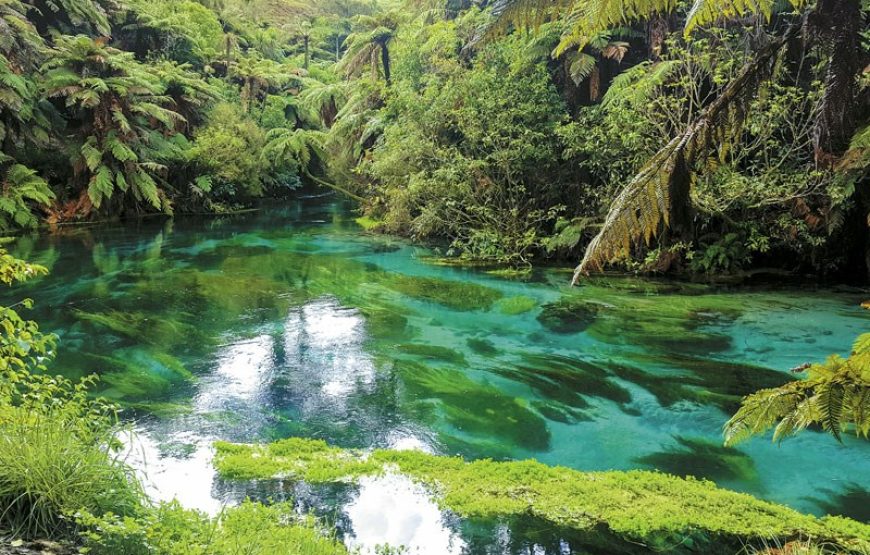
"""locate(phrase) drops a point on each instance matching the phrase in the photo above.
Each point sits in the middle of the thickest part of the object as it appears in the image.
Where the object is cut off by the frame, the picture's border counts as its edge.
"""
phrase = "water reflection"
(393, 510)
(324, 354)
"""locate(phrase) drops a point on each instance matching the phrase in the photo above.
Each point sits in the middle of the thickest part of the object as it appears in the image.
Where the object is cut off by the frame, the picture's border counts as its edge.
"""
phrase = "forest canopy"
(705, 138)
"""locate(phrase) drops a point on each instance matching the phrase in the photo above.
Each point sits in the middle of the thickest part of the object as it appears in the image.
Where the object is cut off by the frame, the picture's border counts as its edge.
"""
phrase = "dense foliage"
(115, 108)
(661, 136)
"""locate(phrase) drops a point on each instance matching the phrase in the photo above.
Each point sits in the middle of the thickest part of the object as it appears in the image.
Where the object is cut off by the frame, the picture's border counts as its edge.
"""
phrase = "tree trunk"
(837, 25)
(305, 41)
(385, 60)
(657, 31)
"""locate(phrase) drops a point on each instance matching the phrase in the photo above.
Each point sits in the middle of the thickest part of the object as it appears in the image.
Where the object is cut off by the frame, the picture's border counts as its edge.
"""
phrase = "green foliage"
(56, 442)
(169, 529)
(125, 121)
(659, 510)
(22, 190)
(834, 396)
(469, 153)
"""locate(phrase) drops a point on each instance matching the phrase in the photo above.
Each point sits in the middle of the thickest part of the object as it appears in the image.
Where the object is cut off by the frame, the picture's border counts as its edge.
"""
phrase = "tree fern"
(21, 191)
(658, 197)
(835, 396)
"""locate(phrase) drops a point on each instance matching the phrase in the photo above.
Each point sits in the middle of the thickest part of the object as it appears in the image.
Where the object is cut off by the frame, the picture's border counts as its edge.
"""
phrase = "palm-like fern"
(323, 98)
(73, 15)
(119, 104)
(835, 396)
(21, 189)
(369, 46)
(301, 147)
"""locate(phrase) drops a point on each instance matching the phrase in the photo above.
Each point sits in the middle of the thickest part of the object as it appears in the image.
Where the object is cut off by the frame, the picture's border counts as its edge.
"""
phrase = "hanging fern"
(658, 197)
(835, 396)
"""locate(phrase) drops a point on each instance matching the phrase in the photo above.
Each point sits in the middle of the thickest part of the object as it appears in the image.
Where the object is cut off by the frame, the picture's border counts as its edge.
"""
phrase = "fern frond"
(661, 188)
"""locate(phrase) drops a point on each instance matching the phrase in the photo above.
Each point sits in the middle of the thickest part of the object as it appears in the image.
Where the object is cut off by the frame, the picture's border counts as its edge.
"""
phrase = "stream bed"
(291, 321)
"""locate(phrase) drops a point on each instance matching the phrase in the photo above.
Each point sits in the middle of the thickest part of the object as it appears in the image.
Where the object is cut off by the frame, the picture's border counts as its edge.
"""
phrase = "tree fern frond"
(581, 66)
(661, 189)
(862, 344)
(705, 12)
(830, 398)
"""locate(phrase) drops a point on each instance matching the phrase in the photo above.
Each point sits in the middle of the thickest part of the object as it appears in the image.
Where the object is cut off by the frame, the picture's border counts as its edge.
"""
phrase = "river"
(291, 321)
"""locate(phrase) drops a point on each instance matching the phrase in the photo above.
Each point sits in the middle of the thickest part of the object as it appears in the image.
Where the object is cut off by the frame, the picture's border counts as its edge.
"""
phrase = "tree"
(658, 197)
(835, 396)
(369, 46)
(118, 111)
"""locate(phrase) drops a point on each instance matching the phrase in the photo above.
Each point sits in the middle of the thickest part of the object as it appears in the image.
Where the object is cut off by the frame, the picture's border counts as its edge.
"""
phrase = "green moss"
(297, 458)
(516, 305)
(663, 512)
(432, 352)
(511, 273)
(452, 294)
(702, 458)
(368, 223)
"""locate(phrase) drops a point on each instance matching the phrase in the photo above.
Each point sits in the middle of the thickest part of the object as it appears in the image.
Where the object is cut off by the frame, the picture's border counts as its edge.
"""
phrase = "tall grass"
(57, 456)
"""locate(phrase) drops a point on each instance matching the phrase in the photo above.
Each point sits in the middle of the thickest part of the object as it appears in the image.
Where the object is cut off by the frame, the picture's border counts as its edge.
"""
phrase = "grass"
(51, 466)
(659, 511)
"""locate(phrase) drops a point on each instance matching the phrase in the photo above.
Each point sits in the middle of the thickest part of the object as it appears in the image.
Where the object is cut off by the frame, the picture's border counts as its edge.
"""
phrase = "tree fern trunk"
(837, 25)
(656, 32)
(385, 60)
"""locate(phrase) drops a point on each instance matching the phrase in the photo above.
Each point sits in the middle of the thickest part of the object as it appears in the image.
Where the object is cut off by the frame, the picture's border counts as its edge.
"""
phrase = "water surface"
(292, 322)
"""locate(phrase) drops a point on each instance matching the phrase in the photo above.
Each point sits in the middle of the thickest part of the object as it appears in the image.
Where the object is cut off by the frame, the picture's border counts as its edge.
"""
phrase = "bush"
(57, 455)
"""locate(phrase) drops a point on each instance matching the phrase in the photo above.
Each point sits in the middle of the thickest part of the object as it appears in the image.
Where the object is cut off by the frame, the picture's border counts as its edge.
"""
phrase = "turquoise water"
(292, 321)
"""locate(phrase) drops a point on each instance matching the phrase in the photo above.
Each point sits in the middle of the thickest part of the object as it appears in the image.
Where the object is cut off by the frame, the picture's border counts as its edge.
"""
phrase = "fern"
(658, 197)
(21, 190)
(835, 396)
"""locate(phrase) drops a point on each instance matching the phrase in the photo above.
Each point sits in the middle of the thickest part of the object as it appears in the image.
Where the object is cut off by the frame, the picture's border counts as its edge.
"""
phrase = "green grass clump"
(169, 529)
(57, 457)
(660, 511)
(516, 305)
(452, 294)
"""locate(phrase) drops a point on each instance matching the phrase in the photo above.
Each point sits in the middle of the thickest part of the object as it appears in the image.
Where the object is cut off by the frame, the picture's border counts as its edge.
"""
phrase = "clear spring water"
(292, 321)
